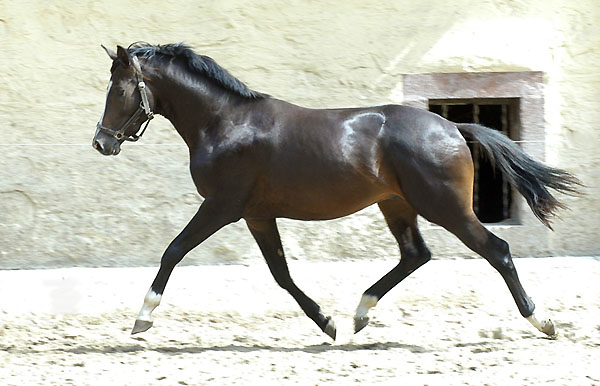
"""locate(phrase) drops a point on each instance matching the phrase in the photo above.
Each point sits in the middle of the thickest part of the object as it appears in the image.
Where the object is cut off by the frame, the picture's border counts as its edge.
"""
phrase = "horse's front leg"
(267, 237)
(213, 215)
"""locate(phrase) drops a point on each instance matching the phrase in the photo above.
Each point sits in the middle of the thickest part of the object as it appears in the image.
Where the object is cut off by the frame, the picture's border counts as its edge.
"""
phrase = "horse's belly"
(319, 199)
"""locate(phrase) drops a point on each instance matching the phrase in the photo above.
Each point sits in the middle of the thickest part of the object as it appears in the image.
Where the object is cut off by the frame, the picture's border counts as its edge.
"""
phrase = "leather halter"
(144, 108)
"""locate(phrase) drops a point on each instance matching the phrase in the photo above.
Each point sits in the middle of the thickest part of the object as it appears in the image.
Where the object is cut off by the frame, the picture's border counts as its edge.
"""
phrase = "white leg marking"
(545, 325)
(151, 301)
(366, 303)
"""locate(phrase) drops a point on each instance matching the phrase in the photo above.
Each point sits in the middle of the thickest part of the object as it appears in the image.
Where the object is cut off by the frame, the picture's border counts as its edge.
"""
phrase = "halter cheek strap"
(144, 108)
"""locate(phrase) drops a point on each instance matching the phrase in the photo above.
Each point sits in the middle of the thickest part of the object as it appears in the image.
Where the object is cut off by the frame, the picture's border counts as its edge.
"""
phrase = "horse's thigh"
(441, 191)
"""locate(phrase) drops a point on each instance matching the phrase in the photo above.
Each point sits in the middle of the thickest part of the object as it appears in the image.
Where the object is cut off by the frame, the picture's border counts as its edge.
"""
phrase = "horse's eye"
(121, 92)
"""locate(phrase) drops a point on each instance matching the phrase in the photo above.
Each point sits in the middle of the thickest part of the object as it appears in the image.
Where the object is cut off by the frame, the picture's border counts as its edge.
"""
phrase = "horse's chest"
(204, 171)
(217, 170)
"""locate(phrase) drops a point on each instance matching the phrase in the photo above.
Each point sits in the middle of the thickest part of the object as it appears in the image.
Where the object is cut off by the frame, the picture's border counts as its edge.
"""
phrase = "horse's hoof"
(360, 323)
(545, 325)
(330, 328)
(141, 326)
(549, 329)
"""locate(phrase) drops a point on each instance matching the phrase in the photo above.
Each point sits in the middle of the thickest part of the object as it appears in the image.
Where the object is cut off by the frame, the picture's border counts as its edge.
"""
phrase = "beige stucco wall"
(61, 203)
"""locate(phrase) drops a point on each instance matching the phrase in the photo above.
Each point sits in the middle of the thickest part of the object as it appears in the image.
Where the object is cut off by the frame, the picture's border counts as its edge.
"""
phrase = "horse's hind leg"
(496, 251)
(449, 203)
(267, 237)
(402, 221)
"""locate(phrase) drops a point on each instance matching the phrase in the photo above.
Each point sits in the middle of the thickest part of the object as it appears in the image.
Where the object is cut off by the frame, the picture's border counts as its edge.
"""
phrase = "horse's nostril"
(97, 145)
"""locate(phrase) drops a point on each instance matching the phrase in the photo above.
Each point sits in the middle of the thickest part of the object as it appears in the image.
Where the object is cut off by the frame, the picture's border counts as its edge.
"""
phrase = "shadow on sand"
(176, 349)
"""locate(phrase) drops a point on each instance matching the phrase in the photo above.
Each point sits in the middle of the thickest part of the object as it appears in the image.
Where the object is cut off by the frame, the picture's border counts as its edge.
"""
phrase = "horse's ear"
(111, 53)
(123, 56)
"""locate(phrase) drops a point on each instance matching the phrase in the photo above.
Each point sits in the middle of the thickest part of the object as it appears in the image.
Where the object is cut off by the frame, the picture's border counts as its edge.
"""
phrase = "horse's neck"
(191, 107)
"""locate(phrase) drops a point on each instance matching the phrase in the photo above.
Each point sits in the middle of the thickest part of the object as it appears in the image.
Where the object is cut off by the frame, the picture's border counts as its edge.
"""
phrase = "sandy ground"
(452, 322)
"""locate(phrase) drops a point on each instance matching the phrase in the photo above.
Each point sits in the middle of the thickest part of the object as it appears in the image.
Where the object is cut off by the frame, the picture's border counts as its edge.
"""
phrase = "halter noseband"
(144, 108)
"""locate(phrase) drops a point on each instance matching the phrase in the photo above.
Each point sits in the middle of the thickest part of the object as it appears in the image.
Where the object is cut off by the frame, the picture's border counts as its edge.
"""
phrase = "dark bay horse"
(259, 158)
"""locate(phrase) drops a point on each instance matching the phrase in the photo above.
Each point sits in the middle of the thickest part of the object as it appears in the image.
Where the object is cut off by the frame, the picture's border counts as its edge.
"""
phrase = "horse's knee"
(422, 256)
(284, 282)
(415, 253)
(281, 274)
(172, 255)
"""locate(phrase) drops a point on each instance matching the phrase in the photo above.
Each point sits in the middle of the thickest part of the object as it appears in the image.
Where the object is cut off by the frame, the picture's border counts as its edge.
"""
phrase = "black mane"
(200, 64)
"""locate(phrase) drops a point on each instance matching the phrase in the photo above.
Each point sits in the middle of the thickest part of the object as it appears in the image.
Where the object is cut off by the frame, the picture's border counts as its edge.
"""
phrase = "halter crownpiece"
(144, 108)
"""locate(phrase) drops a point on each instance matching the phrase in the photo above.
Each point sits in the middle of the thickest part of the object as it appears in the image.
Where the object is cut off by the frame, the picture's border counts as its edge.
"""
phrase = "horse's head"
(127, 104)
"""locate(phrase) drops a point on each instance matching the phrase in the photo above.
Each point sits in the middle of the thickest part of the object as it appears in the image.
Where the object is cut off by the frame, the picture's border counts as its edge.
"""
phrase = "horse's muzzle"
(106, 145)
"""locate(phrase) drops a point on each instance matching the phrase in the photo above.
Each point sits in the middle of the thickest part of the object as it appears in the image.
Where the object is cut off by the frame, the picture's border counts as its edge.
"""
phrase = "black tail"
(531, 178)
